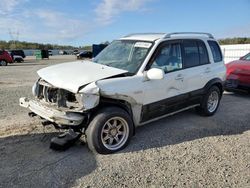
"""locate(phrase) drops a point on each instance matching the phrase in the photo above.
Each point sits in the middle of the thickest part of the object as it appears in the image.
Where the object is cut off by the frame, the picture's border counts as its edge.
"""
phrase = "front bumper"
(236, 84)
(51, 114)
(231, 83)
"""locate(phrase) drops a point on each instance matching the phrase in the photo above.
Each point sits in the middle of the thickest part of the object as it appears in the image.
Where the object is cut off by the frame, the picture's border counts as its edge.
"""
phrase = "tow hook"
(45, 123)
(32, 114)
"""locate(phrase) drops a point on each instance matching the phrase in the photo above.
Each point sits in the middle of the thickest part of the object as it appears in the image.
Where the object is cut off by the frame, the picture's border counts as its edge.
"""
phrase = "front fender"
(89, 96)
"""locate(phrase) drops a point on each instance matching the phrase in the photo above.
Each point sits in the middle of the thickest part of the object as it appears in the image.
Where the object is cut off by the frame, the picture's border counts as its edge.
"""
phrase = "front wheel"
(3, 63)
(109, 131)
(210, 102)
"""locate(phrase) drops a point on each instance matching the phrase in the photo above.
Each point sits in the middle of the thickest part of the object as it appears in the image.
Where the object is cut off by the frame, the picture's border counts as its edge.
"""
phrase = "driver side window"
(168, 58)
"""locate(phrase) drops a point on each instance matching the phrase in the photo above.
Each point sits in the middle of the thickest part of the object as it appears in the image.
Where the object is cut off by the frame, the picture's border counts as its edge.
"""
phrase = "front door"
(166, 95)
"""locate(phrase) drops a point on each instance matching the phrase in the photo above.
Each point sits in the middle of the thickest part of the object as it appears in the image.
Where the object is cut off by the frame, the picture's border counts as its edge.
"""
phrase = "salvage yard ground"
(184, 150)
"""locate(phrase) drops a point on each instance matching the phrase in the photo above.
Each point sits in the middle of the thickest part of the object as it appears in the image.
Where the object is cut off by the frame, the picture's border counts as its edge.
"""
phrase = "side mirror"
(155, 74)
(242, 57)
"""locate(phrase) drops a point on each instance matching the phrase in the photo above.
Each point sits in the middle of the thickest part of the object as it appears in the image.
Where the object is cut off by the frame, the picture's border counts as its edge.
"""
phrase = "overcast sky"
(83, 22)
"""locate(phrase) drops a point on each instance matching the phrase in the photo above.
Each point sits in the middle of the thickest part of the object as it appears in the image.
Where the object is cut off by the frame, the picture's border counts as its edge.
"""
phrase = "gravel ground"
(184, 150)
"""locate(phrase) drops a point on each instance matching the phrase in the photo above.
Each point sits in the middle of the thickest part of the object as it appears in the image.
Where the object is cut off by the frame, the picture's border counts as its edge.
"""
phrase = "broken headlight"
(88, 96)
(35, 89)
(80, 98)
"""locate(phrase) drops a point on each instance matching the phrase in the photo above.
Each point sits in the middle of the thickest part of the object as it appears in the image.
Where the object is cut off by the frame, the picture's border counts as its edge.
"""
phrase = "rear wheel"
(3, 63)
(110, 130)
(210, 102)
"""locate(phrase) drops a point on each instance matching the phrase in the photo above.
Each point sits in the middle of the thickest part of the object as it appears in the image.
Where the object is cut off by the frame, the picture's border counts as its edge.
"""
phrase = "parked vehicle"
(18, 53)
(75, 52)
(50, 52)
(238, 74)
(17, 58)
(133, 81)
(5, 58)
(85, 54)
(62, 52)
(97, 48)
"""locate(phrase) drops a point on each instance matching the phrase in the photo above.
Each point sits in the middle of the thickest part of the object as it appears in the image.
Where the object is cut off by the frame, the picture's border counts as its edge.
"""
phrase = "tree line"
(238, 40)
(33, 45)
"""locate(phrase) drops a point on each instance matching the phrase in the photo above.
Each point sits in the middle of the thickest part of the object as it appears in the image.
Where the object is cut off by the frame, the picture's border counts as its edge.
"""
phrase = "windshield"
(246, 57)
(124, 54)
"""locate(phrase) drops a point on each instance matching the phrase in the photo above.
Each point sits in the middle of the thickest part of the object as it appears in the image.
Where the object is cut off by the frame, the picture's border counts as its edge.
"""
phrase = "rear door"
(197, 65)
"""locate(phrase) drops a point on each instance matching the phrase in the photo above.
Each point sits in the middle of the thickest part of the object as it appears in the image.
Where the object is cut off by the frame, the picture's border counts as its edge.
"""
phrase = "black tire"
(3, 63)
(95, 131)
(203, 109)
(248, 91)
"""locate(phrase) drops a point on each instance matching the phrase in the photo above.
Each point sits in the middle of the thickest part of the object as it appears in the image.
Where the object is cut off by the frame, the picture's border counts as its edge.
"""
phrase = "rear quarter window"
(215, 49)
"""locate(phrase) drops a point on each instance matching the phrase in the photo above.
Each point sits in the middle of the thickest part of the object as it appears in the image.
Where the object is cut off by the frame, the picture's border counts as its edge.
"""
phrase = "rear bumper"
(51, 114)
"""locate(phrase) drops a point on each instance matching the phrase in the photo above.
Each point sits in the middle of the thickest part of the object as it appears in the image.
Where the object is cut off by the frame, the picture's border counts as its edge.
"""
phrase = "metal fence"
(234, 52)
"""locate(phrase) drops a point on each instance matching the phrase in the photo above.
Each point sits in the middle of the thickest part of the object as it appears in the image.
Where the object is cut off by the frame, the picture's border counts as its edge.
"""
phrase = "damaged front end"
(60, 106)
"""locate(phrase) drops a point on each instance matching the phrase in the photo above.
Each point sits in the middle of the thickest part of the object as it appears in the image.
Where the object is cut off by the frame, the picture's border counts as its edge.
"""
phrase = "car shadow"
(239, 93)
(27, 161)
(230, 119)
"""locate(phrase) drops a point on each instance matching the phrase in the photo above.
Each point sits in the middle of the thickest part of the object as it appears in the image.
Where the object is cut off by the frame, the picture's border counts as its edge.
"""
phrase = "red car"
(5, 58)
(238, 74)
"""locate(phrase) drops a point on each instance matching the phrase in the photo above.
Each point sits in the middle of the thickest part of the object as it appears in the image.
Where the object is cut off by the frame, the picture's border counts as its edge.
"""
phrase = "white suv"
(135, 80)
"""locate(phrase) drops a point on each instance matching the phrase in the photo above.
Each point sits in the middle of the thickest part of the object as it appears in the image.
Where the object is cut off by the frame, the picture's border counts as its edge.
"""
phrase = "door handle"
(179, 77)
(207, 70)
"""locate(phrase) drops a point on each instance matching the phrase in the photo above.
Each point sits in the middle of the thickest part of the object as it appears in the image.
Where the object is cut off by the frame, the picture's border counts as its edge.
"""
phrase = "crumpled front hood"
(70, 76)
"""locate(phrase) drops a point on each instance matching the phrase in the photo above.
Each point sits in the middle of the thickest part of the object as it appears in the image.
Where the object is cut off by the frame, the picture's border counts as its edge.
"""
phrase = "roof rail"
(195, 33)
(131, 34)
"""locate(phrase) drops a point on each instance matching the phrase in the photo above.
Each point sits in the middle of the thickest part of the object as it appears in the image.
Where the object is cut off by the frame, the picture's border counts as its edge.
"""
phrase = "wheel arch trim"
(105, 102)
(214, 82)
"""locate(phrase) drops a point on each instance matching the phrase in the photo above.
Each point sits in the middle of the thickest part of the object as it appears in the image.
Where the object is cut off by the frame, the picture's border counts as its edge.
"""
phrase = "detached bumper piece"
(51, 114)
(65, 140)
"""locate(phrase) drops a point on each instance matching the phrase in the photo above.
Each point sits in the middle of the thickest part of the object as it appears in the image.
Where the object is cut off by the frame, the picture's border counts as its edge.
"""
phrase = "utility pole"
(14, 38)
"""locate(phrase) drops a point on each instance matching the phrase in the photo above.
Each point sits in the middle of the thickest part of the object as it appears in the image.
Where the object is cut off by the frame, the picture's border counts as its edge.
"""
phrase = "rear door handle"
(207, 70)
(179, 77)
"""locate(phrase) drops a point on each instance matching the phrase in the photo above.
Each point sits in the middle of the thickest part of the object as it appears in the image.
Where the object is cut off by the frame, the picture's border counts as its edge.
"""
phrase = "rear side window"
(203, 53)
(191, 53)
(195, 53)
(217, 56)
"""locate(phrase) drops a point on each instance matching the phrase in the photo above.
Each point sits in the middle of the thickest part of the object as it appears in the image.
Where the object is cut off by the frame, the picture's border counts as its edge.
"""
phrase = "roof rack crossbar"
(131, 34)
(195, 33)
